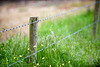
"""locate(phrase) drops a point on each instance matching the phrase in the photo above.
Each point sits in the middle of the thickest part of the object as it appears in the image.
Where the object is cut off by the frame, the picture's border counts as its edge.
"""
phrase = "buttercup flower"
(41, 44)
(62, 64)
(50, 66)
(28, 49)
(37, 64)
(35, 46)
(20, 55)
(68, 61)
(43, 58)
(14, 57)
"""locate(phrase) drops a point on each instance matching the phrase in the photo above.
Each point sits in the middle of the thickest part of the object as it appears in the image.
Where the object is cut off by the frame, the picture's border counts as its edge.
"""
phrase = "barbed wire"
(50, 17)
(56, 42)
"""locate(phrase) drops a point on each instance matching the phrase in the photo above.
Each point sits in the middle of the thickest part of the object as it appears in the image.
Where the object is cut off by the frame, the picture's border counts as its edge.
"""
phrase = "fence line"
(56, 42)
(50, 17)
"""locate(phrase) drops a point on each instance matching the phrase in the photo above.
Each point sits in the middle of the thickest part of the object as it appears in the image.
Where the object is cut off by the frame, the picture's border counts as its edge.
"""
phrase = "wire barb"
(50, 17)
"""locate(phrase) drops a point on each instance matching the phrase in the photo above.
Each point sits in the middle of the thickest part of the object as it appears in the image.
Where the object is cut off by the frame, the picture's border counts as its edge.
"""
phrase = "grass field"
(79, 50)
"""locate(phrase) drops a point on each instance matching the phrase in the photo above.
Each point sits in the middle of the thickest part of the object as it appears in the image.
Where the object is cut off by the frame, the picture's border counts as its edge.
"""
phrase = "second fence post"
(33, 33)
(96, 18)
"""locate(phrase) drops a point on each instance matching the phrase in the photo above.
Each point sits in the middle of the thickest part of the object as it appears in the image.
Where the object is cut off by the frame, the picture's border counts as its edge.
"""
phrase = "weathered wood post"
(96, 18)
(33, 33)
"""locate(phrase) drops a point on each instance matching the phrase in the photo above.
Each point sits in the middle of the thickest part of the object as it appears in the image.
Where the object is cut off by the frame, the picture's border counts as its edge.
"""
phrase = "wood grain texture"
(33, 32)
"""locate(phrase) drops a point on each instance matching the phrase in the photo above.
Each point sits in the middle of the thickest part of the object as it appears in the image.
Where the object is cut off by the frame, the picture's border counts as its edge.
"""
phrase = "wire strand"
(56, 42)
(50, 17)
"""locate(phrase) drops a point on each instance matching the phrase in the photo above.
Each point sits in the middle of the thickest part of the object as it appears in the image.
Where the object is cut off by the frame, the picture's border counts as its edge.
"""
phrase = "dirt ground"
(15, 14)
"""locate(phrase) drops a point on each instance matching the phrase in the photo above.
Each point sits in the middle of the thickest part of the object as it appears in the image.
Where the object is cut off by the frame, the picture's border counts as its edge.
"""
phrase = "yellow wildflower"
(35, 46)
(14, 57)
(28, 49)
(62, 64)
(34, 66)
(37, 64)
(43, 58)
(50, 66)
(69, 62)
(20, 55)
(41, 44)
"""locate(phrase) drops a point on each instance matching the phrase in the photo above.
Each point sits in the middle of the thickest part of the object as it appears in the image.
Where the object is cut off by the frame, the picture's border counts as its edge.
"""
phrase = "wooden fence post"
(33, 33)
(96, 18)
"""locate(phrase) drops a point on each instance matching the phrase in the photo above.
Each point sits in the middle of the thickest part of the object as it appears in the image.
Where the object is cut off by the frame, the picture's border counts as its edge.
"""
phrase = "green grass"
(79, 50)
